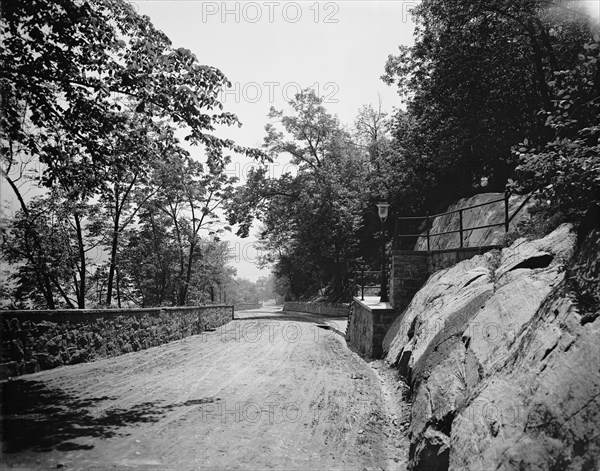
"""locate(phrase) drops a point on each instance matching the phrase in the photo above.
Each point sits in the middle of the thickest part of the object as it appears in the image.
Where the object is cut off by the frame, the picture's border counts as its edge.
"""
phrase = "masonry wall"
(244, 307)
(359, 333)
(411, 269)
(39, 340)
(324, 309)
(367, 327)
(409, 272)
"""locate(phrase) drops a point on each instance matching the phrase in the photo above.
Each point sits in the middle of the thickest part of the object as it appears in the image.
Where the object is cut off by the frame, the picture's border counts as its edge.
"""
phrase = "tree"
(127, 188)
(474, 81)
(212, 275)
(46, 245)
(67, 65)
(566, 169)
(190, 197)
(89, 90)
(309, 220)
(371, 126)
(149, 259)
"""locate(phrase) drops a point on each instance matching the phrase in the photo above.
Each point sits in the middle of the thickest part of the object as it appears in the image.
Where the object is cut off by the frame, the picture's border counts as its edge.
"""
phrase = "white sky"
(270, 49)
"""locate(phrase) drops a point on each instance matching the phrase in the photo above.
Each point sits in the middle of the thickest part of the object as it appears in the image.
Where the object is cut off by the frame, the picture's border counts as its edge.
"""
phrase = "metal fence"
(369, 280)
(411, 228)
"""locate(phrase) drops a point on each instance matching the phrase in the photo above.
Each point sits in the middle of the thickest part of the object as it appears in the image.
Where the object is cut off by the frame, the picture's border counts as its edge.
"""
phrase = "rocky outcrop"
(481, 216)
(502, 366)
(584, 273)
(540, 410)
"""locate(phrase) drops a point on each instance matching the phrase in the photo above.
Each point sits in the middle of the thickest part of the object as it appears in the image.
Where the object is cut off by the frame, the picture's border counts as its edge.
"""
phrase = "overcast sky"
(269, 50)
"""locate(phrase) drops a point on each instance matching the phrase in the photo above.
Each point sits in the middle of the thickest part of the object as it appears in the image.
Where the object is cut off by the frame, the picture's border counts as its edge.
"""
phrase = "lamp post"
(382, 209)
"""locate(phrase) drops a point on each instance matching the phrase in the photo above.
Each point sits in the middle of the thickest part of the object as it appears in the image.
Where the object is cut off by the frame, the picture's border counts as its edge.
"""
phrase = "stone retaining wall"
(411, 269)
(39, 340)
(367, 327)
(244, 307)
(324, 309)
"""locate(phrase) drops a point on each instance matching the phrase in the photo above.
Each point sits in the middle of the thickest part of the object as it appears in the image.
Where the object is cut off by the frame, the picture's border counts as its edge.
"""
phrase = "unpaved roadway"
(270, 390)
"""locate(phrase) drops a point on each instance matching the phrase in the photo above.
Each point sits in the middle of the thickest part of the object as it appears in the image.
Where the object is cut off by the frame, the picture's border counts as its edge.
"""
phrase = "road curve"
(269, 390)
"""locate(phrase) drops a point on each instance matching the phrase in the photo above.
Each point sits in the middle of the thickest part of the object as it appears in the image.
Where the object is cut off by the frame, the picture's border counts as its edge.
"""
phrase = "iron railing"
(407, 221)
(368, 279)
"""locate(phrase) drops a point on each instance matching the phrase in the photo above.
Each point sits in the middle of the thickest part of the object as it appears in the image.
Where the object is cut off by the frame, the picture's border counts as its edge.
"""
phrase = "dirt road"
(270, 390)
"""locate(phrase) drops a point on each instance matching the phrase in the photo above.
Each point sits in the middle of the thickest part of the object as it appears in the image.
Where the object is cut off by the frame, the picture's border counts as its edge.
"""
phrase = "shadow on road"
(38, 418)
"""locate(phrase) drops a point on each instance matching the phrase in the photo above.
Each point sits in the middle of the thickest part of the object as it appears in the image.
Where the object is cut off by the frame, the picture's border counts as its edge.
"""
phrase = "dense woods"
(497, 96)
(492, 95)
(93, 99)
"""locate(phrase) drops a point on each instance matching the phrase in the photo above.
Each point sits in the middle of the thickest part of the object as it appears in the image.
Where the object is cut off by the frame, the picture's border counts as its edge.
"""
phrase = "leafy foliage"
(68, 69)
(473, 82)
(93, 96)
(310, 220)
(567, 168)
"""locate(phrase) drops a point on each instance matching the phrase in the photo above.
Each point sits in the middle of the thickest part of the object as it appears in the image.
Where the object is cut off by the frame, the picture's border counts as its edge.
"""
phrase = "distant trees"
(92, 99)
(310, 220)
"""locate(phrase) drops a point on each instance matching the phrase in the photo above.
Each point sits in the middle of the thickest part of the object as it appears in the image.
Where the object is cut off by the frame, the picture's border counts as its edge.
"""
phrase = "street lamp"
(382, 209)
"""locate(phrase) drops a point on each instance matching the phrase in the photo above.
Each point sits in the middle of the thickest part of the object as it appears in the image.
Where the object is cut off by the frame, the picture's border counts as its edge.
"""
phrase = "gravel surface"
(270, 390)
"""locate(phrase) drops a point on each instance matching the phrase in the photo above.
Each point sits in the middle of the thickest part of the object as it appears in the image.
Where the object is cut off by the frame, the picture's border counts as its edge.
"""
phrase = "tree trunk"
(82, 265)
(181, 262)
(46, 289)
(113, 264)
(162, 275)
(113, 247)
(118, 287)
(539, 68)
(188, 275)
(43, 279)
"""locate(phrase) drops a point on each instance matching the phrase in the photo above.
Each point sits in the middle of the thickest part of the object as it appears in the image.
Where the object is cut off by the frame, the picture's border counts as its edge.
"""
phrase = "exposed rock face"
(503, 372)
(541, 409)
(481, 216)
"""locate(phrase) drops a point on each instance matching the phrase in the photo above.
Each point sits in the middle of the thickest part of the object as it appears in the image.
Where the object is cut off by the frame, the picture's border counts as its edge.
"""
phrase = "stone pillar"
(410, 270)
(368, 324)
